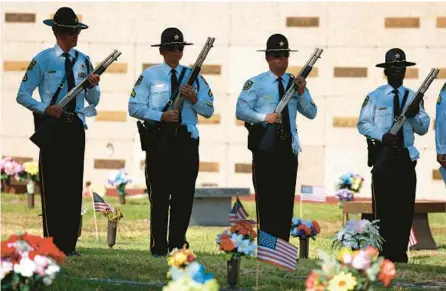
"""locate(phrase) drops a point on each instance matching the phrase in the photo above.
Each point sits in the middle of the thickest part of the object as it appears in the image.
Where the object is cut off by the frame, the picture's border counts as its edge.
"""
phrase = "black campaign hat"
(65, 18)
(395, 57)
(172, 35)
(277, 43)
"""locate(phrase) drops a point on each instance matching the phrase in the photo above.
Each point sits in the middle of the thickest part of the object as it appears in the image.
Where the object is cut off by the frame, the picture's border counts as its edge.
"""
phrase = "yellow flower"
(177, 259)
(342, 282)
(345, 256)
(31, 168)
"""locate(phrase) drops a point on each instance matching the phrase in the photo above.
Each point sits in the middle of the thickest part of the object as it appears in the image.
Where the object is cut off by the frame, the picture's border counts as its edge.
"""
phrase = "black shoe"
(185, 245)
(72, 254)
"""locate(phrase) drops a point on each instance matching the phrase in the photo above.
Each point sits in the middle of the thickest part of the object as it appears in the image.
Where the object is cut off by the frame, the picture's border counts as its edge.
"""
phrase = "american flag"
(99, 204)
(312, 193)
(238, 213)
(276, 251)
(412, 238)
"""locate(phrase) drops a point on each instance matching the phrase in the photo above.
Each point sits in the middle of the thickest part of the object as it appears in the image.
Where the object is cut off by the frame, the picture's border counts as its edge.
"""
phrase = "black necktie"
(285, 115)
(174, 88)
(397, 112)
(71, 106)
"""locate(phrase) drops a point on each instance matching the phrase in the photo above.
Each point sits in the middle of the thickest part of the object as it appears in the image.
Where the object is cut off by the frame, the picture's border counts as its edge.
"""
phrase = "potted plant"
(31, 176)
(29, 262)
(235, 242)
(113, 216)
(351, 270)
(120, 179)
(9, 169)
(358, 235)
(304, 230)
(186, 274)
(348, 184)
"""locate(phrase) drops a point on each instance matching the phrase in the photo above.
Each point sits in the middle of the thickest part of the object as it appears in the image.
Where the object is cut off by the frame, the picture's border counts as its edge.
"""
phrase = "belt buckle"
(70, 117)
(175, 131)
(282, 135)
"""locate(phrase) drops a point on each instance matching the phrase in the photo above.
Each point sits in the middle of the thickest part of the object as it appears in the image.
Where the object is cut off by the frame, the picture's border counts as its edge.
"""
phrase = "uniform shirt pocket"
(159, 95)
(52, 80)
(383, 118)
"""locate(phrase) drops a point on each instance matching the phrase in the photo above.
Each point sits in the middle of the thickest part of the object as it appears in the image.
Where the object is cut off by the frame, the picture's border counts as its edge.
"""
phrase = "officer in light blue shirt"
(55, 71)
(172, 167)
(440, 127)
(396, 186)
(274, 174)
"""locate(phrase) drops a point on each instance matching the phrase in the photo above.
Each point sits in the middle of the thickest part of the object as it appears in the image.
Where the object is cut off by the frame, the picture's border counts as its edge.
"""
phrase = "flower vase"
(30, 191)
(121, 193)
(304, 248)
(6, 185)
(233, 271)
(111, 233)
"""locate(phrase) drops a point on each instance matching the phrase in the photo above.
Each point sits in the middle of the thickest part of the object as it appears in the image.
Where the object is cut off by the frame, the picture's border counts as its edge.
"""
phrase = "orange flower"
(226, 244)
(304, 228)
(312, 284)
(316, 226)
(372, 252)
(387, 272)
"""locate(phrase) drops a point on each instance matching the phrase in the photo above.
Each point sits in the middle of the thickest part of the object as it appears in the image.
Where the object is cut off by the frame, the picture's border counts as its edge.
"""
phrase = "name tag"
(82, 75)
(157, 88)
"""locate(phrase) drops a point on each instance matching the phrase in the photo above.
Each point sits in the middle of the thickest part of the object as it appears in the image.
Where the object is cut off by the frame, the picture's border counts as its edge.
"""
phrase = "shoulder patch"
(25, 78)
(133, 93)
(139, 80)
(248, 84)
(366, 100)
(439, 99)
(208, 103)
(210, 93)
(31, 65)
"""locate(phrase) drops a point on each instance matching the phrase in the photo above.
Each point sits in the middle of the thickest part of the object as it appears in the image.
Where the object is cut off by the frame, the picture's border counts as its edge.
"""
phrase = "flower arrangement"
(358, 235)
(29, 262)
(351, 270)
(31, 170)
(238, 240)
(114, 215)
(119, 179)
(10, 168)
(186, 274)
(348, 184)
(304, 229)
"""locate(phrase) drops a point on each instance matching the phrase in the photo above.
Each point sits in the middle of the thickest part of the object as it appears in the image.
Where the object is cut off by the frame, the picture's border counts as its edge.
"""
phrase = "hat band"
(63, 25)
(174, 42)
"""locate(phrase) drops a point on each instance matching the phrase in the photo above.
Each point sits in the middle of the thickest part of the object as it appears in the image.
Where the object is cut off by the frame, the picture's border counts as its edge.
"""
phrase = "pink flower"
(361, 261)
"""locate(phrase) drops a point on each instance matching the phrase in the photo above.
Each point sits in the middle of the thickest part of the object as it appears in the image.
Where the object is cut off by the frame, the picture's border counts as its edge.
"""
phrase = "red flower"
(387, 272)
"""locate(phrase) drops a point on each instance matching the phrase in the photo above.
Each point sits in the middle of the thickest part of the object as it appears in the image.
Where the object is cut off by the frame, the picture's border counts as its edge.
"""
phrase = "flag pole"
(94, 213)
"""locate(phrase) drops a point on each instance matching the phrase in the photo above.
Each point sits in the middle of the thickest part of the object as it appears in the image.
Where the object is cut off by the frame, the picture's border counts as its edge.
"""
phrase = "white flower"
(52, 270)
(243, 247)
(236, 239)
(361, 261)
(5, 268)
(26, 267)
(47, 281)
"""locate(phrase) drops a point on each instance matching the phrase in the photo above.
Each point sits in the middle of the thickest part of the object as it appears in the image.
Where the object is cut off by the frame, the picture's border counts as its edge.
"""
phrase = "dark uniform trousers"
(61, 170)
(393, 202)
(171, 173)
(274, 180)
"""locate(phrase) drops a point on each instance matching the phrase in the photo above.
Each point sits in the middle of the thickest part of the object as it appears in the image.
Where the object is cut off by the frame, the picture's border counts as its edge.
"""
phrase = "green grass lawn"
(130, 259)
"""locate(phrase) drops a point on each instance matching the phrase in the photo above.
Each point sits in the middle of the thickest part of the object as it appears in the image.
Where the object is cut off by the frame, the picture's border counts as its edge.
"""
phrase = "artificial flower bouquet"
(304, 229)
(186, 274)
(347, 185)
(119, 179)
(10, 168)
(31, 170)
(114, 215)
(351, 270)
(358, 234)
(238, 240)
(29, 262)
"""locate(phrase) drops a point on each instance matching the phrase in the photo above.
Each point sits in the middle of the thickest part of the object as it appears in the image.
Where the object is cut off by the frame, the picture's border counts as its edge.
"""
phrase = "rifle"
(389, 151)
(269, 137)
(170, 129)
(42, 136)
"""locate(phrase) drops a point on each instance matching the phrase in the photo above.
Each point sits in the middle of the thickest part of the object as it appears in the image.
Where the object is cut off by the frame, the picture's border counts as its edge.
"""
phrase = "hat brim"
(391, 64)
(278, 50)
(168, 43)
(50, 22)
